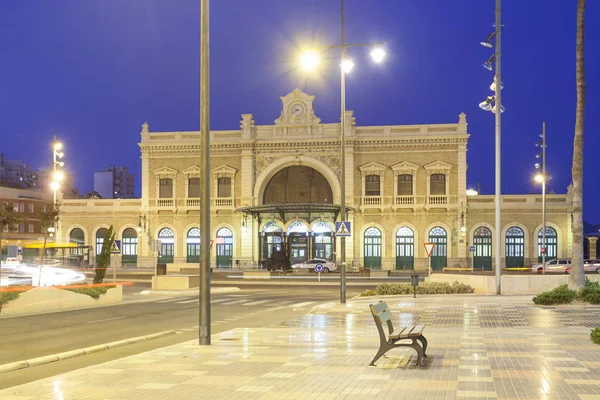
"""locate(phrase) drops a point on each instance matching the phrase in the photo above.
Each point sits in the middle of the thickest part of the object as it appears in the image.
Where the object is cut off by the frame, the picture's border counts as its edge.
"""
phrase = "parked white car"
(591, 266)
(561, 265)
(328, 266)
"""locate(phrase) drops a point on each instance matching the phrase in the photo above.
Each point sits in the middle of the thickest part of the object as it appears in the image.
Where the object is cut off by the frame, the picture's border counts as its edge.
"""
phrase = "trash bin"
(161, 269)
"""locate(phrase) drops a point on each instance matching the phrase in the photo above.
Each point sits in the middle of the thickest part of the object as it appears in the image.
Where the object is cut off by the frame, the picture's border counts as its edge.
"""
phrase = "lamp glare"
(347, 65)
(309, 60)
(378, 54)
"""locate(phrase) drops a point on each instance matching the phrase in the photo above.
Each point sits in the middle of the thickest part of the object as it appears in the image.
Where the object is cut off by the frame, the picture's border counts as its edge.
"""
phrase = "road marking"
(169, 300)
(238, 295)
(188, 301)
(302, 304)
(107, 319)
(235, 302)
(218, 301)
(254, 303)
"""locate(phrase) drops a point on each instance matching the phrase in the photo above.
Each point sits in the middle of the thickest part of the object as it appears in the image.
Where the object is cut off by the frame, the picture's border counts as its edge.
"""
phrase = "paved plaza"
(480, 347)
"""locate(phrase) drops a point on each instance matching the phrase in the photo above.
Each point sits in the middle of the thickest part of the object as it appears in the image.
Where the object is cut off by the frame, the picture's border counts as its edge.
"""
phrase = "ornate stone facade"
(397, 177)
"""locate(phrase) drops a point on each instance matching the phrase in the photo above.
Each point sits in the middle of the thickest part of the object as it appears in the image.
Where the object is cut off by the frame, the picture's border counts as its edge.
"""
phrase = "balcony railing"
(223, 201)
(192, 202)
(404, 200)
(165, 203)
(371, 200)
(437, 200)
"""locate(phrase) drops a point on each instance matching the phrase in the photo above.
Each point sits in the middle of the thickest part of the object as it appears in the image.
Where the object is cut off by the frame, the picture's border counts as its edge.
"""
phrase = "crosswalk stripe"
(254, 303)
(302, 304)
(171, 300)
(235, 302)
(218, 301)
(188, 301)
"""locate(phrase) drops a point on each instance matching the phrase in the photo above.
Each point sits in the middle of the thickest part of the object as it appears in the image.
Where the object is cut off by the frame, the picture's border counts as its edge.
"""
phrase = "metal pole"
(343, 177)
(54, 170)
(498, 113)
(204, 334)
(544, 196)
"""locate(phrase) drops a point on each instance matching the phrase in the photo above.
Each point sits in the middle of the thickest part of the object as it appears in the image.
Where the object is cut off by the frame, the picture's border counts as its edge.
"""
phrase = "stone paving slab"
(480, 347)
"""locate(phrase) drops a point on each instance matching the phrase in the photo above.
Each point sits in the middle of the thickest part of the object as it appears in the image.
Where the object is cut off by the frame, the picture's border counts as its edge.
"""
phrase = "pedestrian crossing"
(236, 300)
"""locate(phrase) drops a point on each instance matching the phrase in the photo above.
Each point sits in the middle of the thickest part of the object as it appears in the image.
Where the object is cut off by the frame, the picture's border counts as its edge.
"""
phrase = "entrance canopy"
(292, 210)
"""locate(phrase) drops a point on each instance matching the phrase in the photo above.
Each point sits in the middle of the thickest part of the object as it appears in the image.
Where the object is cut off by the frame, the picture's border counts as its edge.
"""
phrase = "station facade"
(279, 185)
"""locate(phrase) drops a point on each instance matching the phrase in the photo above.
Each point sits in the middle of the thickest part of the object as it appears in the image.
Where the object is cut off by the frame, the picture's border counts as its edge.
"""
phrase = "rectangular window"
(44, 208)
(30, 207)
(30, 228)
(21, 207)
(194, 188)
(372, 187)
(224, 189)
(165, 190)
(21, 228)
(437, 185)
(405, 185)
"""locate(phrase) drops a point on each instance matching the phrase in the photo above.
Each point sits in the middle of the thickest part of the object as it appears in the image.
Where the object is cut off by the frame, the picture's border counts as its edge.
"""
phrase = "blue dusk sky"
(92, 71)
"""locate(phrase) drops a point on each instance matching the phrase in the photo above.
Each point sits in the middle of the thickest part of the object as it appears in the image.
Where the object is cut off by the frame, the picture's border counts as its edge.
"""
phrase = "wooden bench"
(381, 314)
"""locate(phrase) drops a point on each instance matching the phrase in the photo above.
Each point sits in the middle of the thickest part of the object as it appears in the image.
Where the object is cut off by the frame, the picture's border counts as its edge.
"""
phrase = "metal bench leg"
(419, 350)
(382, 350)
(424, 343)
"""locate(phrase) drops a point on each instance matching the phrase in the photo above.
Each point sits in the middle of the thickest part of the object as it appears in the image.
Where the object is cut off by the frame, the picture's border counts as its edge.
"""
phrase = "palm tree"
(577, 279)
(9, 217)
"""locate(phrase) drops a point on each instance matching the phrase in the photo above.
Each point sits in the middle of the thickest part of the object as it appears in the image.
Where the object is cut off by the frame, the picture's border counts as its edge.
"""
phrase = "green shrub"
(559, 295)
(424, 288)
(7, 297)
(595, 335)
(590, 292)
(92, 291)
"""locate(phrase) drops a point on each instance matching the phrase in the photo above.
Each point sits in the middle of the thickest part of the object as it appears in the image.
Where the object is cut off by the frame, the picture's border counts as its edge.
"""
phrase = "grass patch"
(423, 288)
(595, 335)
(92, 291)
(7, 297)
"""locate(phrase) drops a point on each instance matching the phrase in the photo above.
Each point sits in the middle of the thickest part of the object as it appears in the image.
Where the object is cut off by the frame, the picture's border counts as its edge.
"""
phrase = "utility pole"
(544, 197)
(498, 113)
(343, 175)
(204, 293)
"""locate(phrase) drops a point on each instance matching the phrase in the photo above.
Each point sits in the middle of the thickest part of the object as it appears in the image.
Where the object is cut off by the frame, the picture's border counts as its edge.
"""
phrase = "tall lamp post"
(309, 61)
(493, 104)
(57, 172)
(542, 178)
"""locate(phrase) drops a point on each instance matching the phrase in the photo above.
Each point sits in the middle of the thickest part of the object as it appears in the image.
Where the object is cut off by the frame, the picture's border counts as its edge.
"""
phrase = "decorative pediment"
(165, 171)
(224, 170)
(437, 167)
(193, 170)
(405, 167)
(372, 168)
(297, 109)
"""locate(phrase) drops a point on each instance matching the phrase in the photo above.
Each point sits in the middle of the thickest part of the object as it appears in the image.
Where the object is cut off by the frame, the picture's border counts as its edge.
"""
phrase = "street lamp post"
(57, 173)
(542, 178)
(309, 61)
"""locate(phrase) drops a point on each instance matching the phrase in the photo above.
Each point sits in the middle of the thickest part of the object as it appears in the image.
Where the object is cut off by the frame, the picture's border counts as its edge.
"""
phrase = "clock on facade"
(297, 110)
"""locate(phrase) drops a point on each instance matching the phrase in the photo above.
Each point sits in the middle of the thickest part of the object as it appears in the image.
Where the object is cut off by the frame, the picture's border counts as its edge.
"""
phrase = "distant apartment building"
(114, 183)
(15, 174)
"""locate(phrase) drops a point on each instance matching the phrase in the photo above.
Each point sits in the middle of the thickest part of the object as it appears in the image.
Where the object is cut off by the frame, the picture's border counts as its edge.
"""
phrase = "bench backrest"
(382, 314)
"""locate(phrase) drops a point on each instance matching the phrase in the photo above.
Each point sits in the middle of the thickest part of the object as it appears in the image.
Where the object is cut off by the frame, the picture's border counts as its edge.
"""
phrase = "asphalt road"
(38, 335)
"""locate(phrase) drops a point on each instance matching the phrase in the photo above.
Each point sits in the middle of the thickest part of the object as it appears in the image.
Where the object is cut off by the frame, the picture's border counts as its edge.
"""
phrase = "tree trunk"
(42, 259)
(577, 279)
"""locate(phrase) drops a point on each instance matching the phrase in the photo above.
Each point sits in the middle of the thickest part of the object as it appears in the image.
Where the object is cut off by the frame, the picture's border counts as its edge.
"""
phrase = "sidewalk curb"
(33, 362)
(187, 292)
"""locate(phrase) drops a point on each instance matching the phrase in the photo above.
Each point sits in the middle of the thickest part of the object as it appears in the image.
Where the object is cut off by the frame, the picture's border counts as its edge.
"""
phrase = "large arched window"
(298, 184)
(298, 242)
(323, 242)
(372, 242)
(271, 240)
(224, 248)
(439, 256)
(193, 245)
(129, 246)
(77, 237)
(100, 233)
(167, 246)
(551, 244)
(405, 249)
(482, 240)
(515, 247)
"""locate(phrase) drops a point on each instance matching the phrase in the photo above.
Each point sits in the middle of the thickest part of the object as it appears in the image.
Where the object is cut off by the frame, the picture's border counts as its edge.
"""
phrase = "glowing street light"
(539, 178)
(59, 176)
(347, 65)
(378, 54)
(309, 60)
(54, 186)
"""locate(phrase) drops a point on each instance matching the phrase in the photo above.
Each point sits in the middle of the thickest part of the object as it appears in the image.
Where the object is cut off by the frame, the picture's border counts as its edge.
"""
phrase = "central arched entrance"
(298, 184)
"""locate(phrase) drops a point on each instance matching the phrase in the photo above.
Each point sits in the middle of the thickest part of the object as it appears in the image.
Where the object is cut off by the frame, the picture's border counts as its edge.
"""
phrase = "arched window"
(272, 227)
(297, 227)
(193, 245)
(551, 244)
(77, 237)
(224, 248)
(129, 246)
(514, 243)
(167, 246)
(482, 240)
(100, 233)
(372, 248)
(439, 255)
(405, 248)
(322, 241)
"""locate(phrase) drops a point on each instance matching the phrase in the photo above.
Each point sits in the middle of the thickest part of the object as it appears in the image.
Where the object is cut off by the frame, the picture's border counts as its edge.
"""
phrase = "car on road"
(591, 266)
(328, 266)
(561, 265)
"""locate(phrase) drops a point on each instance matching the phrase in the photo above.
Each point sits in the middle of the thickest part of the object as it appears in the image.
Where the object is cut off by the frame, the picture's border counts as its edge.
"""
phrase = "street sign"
(319, 268)
(472, 249)
(19, 250)
(429, 248)
(543, 250)
(342, 228)
(116, 247)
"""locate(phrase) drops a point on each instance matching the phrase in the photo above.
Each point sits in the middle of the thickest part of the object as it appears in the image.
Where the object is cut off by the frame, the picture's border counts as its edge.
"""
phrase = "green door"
(224, 248)
(167, 246)
(551, 244)
(129, 245)
(193, 246)
(482, 258)
(515, 247)
(405, 249)
(372, 248)
(438, 236)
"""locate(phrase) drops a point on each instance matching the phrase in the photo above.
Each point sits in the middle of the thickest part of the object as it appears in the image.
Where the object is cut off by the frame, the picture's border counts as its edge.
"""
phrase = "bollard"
(414, 281)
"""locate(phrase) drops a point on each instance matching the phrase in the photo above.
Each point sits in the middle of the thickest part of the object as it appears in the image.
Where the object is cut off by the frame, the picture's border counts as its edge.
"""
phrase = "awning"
(297, 209)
